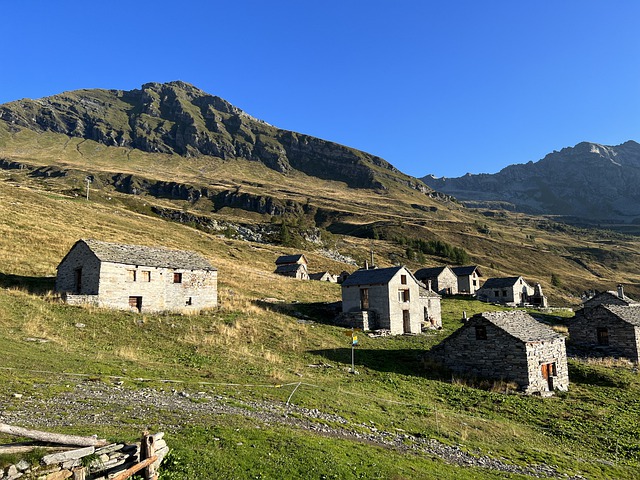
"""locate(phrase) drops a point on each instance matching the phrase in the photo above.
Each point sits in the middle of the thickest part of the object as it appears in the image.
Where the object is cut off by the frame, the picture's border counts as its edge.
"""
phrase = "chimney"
(366, 265)
(620, 291)
(429, 285)
(372, 263)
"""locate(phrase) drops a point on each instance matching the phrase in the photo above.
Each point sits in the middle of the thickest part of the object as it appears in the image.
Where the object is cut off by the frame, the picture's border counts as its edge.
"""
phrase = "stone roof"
(426, 293)
(520, 325)
(431, 272)
(289, 268)
(284, 259)
(465, 271)
(627, 313)
(611, 295)
(501, 282)
(373, 276)
(147, 256)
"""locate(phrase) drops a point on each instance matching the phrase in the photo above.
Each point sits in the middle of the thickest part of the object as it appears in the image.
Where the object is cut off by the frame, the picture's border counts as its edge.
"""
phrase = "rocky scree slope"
(592, 182)
(178, 118)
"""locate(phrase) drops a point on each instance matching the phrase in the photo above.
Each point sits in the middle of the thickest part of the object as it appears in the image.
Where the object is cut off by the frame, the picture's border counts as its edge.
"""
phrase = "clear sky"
(444, 87)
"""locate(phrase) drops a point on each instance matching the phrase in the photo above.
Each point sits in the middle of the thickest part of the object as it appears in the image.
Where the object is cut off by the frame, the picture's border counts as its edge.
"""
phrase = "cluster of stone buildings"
(500, 345)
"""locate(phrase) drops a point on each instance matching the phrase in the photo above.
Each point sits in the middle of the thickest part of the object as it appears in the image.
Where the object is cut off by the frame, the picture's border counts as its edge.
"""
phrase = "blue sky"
(442, 87)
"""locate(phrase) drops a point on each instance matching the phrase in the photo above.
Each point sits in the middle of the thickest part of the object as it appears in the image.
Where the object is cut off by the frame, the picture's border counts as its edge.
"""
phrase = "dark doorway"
(364, 299)
(77, 280)
(136, 302)
(406, 321)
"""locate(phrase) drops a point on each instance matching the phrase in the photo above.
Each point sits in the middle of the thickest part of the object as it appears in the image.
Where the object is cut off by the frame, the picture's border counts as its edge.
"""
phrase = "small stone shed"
(323, 277)
(388, 298)
(611, 330)
(295, 266)
(136, 277)
(511, 346)
(443, 280)
(468, 279)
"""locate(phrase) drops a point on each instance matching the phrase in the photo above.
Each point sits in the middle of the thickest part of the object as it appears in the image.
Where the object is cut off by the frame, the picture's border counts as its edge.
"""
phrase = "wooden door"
(364, 299)
(548, 371)
(136, 302)
(406, 321)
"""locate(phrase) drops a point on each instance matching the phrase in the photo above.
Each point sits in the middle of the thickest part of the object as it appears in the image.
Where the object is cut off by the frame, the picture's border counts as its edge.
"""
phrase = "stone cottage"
(295, 266)
(388, 298)
(511, 346)
(137, 278)
(611, 330)
(609, 298)
(509, 291)
(443, 280)
(468, 279)
(324, 277)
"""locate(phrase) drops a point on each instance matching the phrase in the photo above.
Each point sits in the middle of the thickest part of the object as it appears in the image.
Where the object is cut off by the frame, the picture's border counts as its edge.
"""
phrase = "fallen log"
(52, 437)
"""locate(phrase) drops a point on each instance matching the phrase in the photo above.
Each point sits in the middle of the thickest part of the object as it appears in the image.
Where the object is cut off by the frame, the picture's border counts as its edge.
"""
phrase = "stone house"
(510, 346)
(295, 266)
(388, 298)
(512, 291)
(324, 277)
(609, 298)
(137, 278)
(468, 279)
(611, 330)
(443, 280)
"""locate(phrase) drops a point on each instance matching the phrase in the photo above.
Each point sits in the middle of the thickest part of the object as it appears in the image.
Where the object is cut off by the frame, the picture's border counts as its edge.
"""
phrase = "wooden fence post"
(147, 450)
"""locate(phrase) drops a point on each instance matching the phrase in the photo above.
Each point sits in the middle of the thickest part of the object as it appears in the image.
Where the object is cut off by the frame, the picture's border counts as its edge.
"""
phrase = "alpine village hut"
(510, 346)
(388, 299)
(295, 266)
(468, 279)
(513, 291)
(608, 325)
(443, 280)
(136, 277)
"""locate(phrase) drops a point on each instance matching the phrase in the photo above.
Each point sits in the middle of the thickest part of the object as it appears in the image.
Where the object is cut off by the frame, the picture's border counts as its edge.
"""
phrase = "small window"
(475, 283)
(603, 336)
(131, 275)
(146, 276)
(496, 293)
(481, 332)
(403, 295)
(177, 278)
(504, 293)
(403, 279)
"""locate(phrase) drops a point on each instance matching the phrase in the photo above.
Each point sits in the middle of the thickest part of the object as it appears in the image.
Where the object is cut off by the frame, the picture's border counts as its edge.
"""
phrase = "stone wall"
(79, 258)
(548, 351)
(624, 338)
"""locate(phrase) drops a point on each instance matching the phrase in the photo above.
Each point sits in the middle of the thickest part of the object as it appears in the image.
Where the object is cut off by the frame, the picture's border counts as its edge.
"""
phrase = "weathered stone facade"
(295, 266)
(392, 299)
(468, 279)
(611, 330)
(509, 291)
(137, 278)
(509, 346)
(609, 298)
(443, 280)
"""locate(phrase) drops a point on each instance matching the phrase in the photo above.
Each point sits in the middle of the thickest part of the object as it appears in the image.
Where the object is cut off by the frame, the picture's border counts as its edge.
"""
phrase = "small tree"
(555, 280)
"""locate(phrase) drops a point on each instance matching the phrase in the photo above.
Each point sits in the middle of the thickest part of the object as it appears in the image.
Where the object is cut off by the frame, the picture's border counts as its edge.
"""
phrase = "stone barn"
(510, 346)
(137, 278)
(468, 279)
(295, 266)
(390, 299)
(509, 291)
(610, 330)
(443, 280)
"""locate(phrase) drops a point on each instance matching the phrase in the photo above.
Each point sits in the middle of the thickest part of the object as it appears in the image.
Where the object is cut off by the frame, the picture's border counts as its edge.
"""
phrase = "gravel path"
(98, 403)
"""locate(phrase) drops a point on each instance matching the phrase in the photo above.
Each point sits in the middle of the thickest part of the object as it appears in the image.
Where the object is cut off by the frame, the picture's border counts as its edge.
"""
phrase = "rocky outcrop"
(177, 118)
(591, 182)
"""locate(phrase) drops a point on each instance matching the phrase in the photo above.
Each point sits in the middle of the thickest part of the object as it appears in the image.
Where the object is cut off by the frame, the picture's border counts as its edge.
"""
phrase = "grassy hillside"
(259, 388)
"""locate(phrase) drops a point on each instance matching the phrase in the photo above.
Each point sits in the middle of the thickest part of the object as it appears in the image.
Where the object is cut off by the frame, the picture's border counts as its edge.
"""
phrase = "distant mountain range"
(588, 183)
(178, 118)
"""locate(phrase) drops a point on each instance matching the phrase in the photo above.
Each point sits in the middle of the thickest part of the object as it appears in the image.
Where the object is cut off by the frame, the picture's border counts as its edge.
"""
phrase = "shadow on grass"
(401, 361)
(35, 285)
(319, 312)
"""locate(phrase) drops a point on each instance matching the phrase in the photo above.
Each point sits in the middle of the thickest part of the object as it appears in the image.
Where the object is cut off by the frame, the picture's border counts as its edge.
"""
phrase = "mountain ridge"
(178, 118)
(589, 182)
